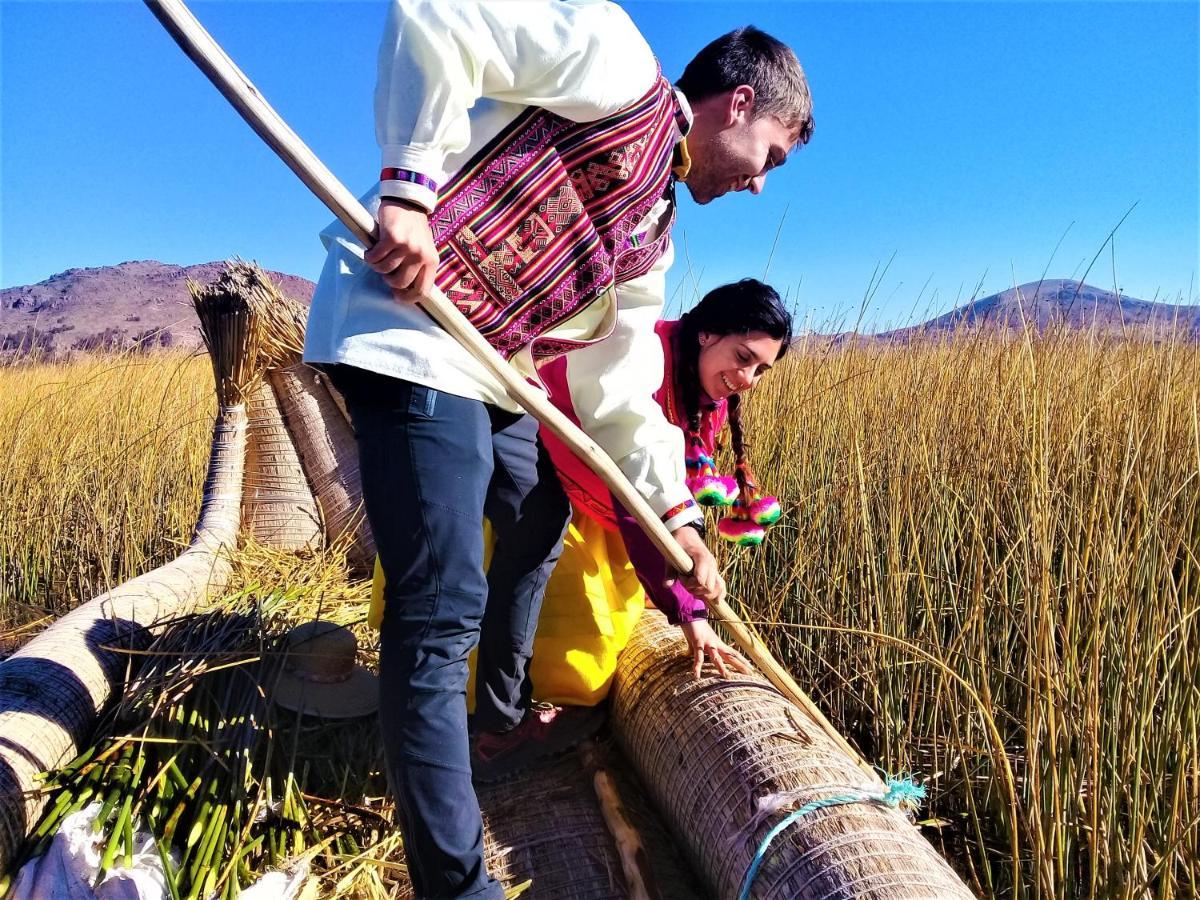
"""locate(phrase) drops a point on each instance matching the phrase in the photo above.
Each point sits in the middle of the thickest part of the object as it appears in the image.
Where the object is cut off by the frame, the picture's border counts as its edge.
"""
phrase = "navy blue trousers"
(433, 465)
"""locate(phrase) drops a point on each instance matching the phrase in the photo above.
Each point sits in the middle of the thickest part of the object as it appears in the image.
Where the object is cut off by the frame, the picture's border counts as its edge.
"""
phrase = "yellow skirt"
(592, 604)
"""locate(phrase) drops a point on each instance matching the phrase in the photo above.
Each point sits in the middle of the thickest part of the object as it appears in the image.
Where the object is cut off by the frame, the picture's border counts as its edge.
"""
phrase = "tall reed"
(988, 573)
(104, 459)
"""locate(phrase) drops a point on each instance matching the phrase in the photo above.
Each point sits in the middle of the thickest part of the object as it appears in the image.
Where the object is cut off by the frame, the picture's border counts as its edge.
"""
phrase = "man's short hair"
(751, 56)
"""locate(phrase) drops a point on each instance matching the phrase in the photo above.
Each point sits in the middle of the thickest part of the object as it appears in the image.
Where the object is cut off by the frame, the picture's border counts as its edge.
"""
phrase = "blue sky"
(958, 147)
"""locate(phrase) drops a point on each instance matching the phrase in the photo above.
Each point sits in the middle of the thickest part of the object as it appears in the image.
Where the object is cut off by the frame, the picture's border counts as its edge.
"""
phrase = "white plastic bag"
(67, 870)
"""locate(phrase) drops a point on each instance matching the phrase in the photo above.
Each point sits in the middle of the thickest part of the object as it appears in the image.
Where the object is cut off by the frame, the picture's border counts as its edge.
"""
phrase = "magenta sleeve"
(677, 603)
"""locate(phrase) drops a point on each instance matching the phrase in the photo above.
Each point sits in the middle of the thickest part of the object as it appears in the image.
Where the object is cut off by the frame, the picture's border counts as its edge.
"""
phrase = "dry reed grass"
(988, 573)
(103, 464)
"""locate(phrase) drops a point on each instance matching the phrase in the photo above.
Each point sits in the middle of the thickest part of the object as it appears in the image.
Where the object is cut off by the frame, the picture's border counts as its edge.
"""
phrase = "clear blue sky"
(959, 140)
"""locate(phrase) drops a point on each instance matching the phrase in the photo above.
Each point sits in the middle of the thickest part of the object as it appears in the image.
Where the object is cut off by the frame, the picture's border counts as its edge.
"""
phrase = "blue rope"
(901, 793)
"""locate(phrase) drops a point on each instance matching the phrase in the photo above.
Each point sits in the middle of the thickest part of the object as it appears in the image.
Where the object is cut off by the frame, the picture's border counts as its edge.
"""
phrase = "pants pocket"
(422, 401)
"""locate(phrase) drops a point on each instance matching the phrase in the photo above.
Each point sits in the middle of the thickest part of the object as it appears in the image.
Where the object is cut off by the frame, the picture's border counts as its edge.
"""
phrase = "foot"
(545, 731)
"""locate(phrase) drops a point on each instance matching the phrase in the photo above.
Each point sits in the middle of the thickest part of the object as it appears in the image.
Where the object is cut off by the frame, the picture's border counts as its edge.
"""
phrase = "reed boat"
(702, 781)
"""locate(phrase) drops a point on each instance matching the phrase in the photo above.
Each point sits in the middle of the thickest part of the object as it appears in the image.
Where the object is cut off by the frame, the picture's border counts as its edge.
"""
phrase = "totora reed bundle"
(278, 506)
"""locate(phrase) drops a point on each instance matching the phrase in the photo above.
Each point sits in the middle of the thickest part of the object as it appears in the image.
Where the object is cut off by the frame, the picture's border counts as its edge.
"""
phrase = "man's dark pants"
(433, 464)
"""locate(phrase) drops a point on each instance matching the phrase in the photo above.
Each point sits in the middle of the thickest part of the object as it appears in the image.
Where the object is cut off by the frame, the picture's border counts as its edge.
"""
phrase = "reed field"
(986, 574)
(103, 463)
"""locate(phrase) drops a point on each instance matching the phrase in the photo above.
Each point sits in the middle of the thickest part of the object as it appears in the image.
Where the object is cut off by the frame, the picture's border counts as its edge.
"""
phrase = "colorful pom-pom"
(765, 511)
(713, 490)
(742, 532)
(730, 487)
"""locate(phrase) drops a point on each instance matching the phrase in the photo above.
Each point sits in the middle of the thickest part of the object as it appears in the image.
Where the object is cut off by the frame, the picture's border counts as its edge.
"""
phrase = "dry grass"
(103, 462)
(988, 574)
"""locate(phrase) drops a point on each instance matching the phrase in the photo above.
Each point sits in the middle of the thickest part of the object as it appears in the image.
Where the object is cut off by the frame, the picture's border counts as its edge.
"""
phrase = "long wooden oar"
(200, 47)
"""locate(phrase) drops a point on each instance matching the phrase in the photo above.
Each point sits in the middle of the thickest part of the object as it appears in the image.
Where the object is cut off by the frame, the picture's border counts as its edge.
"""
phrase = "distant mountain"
(142, 304)
(1062, 302)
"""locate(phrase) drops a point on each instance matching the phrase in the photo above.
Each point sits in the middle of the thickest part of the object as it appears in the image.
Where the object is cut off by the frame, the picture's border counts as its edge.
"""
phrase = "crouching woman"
(714, 354)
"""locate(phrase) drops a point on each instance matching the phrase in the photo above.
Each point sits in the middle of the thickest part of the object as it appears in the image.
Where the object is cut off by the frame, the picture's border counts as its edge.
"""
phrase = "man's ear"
(740, 106)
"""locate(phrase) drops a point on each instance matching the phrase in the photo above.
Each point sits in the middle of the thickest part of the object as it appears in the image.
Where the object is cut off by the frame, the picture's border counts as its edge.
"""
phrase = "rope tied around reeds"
(901, 793)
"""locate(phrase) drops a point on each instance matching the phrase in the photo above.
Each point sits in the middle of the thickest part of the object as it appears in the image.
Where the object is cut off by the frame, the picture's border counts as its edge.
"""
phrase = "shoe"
(545, 731)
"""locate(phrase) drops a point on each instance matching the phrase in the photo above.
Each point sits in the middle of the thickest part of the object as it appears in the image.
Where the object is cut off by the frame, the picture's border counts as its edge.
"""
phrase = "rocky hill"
(145, 305)
(134, 305)
(1062, 302)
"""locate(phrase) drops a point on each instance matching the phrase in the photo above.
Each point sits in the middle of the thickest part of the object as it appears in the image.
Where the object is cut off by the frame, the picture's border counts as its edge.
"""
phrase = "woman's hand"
(704, 643)
(704, 581)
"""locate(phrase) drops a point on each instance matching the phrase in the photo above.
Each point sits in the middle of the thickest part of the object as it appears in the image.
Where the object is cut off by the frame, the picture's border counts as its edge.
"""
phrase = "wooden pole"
(200, 47)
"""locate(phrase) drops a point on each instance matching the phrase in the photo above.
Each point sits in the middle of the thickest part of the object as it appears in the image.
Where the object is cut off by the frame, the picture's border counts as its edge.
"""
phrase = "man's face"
(732, 150)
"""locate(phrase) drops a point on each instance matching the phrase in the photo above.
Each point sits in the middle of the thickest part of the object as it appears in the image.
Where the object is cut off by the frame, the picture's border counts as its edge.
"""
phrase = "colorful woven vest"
(538, 225)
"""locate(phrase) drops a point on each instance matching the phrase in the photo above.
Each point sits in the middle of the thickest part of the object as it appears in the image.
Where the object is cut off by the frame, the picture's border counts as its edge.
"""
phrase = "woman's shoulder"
(666, 327)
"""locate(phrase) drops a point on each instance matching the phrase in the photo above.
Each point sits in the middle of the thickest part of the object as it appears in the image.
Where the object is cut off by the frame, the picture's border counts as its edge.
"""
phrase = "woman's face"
(732, 363)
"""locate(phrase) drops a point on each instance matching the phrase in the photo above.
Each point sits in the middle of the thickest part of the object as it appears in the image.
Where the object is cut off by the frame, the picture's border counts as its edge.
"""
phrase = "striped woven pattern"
(394, 174)
(537, 227)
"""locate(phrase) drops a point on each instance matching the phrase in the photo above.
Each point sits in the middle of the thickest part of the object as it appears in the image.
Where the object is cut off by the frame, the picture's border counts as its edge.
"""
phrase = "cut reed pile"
(988, 573)
(103, 464)
(229, 785)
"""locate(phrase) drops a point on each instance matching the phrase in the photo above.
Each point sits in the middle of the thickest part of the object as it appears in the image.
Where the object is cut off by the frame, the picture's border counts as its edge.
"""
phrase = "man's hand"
(705, 580)
(404, 254)
(703, 643)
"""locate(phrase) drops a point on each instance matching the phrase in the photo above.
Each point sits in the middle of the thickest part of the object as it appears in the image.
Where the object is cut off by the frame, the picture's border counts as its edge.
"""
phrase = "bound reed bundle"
(725, 761)
(281, 319)
(329, 455)
(305, 486)
(230, 332)
(545, 836)
(278, 507)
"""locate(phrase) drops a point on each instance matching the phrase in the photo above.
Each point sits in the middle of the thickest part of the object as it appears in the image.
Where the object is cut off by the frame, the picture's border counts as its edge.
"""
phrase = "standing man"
(530, 154)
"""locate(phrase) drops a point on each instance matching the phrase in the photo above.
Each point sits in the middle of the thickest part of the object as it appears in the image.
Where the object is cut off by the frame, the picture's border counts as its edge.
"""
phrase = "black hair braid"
(688, 381)
(737, 433)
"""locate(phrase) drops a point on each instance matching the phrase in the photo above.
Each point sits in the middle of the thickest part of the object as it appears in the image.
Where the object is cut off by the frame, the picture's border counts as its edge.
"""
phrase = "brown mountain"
(142, 304)
(1065, 303)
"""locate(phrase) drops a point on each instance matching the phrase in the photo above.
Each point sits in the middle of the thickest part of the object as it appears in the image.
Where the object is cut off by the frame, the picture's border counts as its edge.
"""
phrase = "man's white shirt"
(452, 76)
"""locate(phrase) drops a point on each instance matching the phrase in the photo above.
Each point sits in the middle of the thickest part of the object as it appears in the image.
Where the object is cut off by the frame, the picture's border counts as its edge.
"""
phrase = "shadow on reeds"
(49, 696)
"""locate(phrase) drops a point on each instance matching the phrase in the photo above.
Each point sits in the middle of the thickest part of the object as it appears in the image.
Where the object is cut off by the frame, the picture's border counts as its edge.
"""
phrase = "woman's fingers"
(738, 661)
(715, 653)
(704, 644)
(707, 584)
(723, 659)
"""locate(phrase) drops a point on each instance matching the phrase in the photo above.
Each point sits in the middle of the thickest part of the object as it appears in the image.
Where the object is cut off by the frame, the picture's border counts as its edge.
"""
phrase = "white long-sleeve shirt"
(452, 76)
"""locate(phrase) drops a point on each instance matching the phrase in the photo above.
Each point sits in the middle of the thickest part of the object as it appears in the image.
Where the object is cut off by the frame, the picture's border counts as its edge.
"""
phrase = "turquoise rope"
(901, 793)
